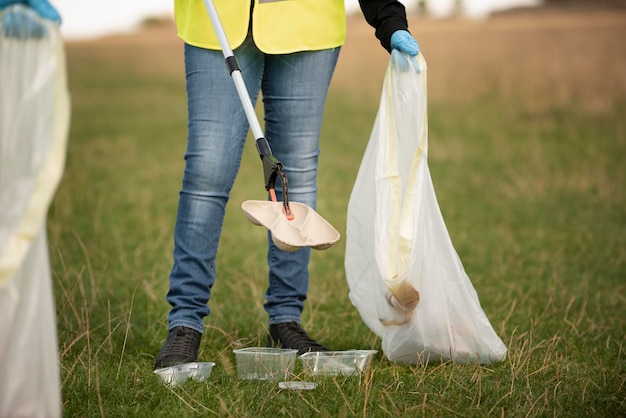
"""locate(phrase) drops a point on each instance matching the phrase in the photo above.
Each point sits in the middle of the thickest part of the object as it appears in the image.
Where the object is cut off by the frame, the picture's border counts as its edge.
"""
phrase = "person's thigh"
(294, 93)
(217, 122)
(217, 132)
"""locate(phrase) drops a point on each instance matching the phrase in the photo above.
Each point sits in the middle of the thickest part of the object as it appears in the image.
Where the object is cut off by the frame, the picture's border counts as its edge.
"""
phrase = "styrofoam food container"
(175, 375)
(349, 362)
(307, 229)
(264, 363)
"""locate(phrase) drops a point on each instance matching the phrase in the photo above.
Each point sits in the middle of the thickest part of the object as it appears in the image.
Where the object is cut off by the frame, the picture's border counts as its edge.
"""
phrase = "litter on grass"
(333, 363)
(265, 363)
(307, 229)
(297, 385)
(176, 375)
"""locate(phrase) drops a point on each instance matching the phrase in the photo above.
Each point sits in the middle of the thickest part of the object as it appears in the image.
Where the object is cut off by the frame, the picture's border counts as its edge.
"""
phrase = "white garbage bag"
(405, 277)
(34, 121)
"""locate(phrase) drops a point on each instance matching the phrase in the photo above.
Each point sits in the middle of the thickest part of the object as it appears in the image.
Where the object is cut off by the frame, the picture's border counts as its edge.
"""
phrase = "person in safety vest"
(287, 50)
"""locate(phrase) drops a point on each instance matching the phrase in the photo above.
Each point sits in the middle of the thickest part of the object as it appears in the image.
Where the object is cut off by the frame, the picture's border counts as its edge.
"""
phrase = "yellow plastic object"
(307, 229)
(34, 123)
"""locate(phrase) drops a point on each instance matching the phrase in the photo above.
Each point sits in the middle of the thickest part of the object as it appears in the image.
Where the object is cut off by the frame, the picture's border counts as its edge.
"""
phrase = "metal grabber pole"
(272, 168)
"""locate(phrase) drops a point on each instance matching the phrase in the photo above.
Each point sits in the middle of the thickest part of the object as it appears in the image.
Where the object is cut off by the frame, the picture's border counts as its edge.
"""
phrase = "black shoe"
(291, 335)
(181, 346)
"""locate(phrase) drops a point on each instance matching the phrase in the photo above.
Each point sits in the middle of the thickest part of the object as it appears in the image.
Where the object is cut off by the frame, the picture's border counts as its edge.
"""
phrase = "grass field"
(527, 152)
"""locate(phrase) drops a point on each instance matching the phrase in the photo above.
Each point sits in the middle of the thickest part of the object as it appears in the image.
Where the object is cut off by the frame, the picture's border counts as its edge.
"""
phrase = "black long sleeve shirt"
(386, 16)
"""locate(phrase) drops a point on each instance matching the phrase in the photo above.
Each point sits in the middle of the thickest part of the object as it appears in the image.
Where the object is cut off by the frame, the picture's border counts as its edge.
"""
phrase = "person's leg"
(294, 93)
(217, 132)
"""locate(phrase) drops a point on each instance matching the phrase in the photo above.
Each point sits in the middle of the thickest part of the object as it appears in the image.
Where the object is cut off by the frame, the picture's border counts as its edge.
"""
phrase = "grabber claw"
(272, 168)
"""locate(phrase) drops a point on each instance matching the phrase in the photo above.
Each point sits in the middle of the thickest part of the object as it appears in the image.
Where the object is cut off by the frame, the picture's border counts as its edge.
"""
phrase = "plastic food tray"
(262, 363)
(349, 362)
(175, 375)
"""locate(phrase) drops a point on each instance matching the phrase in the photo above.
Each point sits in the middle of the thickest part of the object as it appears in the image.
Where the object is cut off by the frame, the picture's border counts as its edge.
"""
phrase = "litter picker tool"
(272, 168)
(292, 228)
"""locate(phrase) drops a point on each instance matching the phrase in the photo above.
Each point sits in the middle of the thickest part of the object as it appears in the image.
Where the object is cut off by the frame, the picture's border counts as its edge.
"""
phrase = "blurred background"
(86, 19)
(526, 105)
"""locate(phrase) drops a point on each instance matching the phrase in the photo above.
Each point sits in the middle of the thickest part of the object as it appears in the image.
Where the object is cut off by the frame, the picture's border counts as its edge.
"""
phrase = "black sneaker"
(181, 346)
(291, 335)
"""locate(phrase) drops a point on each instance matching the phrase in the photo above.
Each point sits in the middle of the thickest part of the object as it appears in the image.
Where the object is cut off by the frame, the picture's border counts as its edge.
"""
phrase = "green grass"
(534, 202)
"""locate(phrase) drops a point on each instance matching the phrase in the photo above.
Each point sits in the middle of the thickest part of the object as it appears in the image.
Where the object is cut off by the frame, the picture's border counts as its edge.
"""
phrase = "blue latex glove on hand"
(22, 22)
(23, 19)
(403, 41)
(42, 7)
(406, 48)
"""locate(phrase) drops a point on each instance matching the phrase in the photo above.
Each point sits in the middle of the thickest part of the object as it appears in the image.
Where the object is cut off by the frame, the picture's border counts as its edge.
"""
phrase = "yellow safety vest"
(278, 26)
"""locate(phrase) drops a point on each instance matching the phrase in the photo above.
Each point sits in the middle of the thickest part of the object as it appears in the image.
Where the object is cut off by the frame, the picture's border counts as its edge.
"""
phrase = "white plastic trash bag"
(34, 121)
(405, 277)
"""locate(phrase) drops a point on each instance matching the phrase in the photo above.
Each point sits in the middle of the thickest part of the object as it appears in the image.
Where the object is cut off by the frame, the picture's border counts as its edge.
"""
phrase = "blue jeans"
(294, 88)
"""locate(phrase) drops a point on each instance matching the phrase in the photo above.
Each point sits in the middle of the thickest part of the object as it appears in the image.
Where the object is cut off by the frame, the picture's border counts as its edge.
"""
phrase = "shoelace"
(182, 343)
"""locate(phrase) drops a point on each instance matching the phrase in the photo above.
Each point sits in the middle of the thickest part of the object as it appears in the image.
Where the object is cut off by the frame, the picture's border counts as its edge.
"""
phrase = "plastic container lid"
(297, 385)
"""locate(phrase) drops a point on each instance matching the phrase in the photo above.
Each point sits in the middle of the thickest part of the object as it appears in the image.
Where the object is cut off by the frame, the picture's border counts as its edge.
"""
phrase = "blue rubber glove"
(406, 48)
(42, 7)
(403, 41)
(23, 21)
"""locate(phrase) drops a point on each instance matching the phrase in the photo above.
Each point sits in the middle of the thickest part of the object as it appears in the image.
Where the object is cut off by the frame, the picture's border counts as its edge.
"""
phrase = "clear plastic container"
(349, 362)
(175, 375)
(262, 363)
(295, 385)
